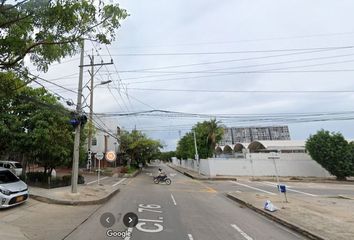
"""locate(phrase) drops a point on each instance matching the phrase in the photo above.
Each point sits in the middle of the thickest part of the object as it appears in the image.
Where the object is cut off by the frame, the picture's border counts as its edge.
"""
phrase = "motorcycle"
(165, 179)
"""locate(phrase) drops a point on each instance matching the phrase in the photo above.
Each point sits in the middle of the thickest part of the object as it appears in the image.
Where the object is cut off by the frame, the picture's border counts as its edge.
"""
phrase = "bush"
(37, 177)
(132, 169)
(128, 170)
(40, 179)
(124, 169)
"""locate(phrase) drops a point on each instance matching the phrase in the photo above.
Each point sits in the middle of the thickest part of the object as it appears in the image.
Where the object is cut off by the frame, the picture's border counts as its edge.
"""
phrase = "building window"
(94, 141)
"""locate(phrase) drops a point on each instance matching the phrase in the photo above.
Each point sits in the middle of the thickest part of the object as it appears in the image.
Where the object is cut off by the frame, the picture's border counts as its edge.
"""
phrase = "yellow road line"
(207, 187)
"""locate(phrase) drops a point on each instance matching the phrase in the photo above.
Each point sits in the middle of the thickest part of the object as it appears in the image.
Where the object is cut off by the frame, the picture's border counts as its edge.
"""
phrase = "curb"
(203, 178)
(187, 174)
(279, 220)
(131, 175)
(74, 202)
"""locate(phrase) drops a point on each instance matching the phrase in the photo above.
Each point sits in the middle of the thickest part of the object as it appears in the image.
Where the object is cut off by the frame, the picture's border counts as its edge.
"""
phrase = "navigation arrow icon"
(107, 220)
(130, 219)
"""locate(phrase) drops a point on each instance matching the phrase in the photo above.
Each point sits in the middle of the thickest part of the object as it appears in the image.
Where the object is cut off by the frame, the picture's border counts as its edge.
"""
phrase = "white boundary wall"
(289, 164)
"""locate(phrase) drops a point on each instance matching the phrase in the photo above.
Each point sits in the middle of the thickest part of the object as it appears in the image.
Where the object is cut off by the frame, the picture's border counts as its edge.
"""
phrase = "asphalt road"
(186, 209)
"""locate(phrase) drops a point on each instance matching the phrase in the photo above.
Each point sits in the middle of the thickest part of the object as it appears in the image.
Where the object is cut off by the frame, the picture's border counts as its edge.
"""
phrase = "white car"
(14, 167)
(13, 191)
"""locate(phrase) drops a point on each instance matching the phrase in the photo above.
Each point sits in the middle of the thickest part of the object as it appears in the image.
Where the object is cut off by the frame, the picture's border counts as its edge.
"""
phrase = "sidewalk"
(195, 175)
(87, 194)
(315, 217)
(8, 231)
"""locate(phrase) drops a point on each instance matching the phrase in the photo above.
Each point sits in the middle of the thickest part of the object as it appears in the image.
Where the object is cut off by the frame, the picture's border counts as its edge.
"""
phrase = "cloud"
(180, 26)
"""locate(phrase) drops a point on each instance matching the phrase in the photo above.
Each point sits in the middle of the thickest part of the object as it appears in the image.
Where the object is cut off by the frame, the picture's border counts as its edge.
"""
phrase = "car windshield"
(7, 177)
(18, 165)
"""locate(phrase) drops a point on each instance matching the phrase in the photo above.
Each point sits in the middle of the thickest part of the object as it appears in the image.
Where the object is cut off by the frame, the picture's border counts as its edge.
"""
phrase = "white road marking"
(275, 184)
(173, 199)
(289, 189)
(305, 193)
(238, 191)
(190, 236)
(172, 174)
(119, 182)
(150, 220)
(241, 232)
(130, 230)
(96, 180)
(258, 189)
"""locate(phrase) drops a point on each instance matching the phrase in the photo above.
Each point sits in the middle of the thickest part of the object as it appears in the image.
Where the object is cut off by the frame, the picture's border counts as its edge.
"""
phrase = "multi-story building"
(105, 140)
(234, 135)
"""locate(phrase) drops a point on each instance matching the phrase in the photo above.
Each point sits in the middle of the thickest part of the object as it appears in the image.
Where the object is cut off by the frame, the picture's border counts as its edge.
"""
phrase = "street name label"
(99, 156)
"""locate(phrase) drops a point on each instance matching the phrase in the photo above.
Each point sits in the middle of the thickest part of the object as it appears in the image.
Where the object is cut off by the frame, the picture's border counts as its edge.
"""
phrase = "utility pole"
(75, 167)
(196, 152)
(92, 86)
(90, 115)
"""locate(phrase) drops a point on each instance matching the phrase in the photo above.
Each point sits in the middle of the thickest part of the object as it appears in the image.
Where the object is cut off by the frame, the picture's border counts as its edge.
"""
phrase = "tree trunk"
(341, 178)
(24, 165)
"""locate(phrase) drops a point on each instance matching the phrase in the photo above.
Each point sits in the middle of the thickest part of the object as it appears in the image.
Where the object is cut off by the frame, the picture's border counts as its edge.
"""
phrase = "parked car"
(13, 191)
(15, 167)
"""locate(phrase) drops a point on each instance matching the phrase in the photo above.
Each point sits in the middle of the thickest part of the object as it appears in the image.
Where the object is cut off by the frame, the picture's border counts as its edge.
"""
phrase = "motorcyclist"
(161, 175)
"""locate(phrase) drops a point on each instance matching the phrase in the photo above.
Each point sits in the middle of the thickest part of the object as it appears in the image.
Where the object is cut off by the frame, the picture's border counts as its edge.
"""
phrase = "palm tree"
(215, 133)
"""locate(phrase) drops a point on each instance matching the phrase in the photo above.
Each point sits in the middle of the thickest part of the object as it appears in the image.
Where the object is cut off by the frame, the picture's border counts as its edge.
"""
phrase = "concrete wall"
(100, 146)
(258, 164)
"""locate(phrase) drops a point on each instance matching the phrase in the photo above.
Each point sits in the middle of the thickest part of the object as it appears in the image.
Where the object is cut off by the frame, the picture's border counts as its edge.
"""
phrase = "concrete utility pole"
(90, 116)
(75, 167)
(196, 152)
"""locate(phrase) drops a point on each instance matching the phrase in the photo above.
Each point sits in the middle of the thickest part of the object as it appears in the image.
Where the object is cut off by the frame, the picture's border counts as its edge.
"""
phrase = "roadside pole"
(246, 152)
(196, 152)
(91, 115)
(275, 156)
(99, 171)
(99, 157)
(75, 166)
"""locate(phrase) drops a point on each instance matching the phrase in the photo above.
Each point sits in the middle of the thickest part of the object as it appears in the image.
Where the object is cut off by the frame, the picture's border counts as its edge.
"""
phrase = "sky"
(223, 45)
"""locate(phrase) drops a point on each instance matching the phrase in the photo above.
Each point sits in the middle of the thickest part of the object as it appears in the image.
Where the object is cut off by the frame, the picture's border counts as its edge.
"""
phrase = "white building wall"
(100, 147)
(289, 164)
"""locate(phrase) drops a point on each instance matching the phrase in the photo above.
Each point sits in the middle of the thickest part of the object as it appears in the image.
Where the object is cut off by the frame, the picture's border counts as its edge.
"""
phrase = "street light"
(90, 119)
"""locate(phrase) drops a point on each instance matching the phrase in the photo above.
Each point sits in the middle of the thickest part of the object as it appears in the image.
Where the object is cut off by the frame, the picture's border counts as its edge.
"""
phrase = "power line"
(167, 113)
(47, 81)
(241, 72)
(254, 71)
(240, 91)
(243, 40)
(117, 86)
(227, 61)
(233, 52)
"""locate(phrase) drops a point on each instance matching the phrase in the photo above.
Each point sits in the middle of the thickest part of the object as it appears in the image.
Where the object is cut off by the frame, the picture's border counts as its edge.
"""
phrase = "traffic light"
(76, 120)
(83, 120)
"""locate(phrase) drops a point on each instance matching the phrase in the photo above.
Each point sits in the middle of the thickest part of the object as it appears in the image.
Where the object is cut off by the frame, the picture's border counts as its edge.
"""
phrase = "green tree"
(137, 147)
(208, 133)
(332, 152)
(47, 31)
(33, 125)
(166, 156)
(185, 147)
